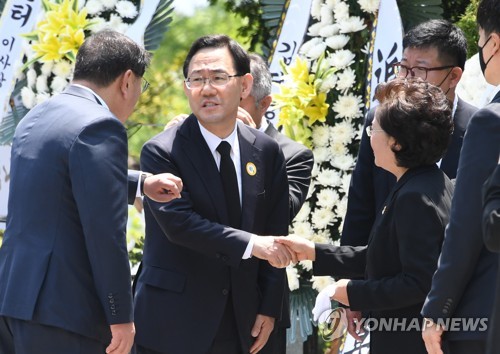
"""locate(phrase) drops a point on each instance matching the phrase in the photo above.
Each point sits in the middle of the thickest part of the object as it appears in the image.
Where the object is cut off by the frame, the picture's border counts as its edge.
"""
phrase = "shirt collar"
(213, 140)
(263, 125)
(99, 98)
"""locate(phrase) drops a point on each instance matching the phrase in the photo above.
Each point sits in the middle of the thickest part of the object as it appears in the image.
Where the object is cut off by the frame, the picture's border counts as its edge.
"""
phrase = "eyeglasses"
(416, 71)
(215, 79)
(145, 85)
(370, 131)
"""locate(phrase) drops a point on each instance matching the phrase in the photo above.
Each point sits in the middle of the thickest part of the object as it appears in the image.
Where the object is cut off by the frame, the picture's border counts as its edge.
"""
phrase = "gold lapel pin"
(251, 169)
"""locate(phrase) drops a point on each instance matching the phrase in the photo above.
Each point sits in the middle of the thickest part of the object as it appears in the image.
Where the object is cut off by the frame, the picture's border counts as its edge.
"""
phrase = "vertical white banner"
(18, 17)
(387, 48)
(288, 44)
(137, 29)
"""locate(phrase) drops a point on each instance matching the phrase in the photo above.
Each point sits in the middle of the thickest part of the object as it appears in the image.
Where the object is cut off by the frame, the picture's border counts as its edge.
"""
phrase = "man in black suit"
(64, 269)
(491, 235)
(200, 289)
(463, 287)
(435, 51)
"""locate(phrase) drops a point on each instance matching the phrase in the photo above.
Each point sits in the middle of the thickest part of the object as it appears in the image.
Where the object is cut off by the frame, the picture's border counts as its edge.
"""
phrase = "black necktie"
(230, 184)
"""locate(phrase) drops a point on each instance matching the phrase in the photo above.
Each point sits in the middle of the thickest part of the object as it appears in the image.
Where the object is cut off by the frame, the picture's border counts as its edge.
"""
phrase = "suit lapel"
(252, 172)
(196, 150)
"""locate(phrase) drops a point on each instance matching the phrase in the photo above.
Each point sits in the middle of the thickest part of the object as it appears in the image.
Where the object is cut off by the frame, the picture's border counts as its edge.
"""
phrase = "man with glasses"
(202, 288)
(463, 287)
(435, 51)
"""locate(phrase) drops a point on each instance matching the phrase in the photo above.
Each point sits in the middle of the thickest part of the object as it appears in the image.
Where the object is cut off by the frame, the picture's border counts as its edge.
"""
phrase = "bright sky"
(187, 7)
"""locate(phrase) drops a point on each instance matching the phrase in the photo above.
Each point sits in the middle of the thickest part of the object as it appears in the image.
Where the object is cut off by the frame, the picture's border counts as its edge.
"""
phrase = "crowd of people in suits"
(421, 235)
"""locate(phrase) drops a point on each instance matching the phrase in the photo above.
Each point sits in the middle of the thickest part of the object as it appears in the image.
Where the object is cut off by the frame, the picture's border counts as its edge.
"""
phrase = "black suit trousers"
(24, 337)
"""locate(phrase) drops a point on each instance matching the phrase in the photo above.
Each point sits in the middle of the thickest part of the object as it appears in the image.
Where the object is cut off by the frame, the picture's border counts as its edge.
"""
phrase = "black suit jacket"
(463, 286)
(64, 261)
(400, 258)
(192, 262)
(491, 234)
(299, 162)
(370, 185)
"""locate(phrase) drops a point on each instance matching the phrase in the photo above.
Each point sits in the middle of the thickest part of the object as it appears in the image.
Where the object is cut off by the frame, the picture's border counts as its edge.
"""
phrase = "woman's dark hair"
(418, 115)
(240, 57)
(106, 55)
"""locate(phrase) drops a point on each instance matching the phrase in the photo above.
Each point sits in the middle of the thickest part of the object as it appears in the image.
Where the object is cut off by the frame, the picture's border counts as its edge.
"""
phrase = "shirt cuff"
(249, 249)
(138, 191)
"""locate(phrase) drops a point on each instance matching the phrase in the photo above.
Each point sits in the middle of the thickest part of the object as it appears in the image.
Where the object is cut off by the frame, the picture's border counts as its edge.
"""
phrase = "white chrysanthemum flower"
(338, 149)
(332, 3)
(307, 46)
(63, 68)
(28, 97)
(47, 68)
(342, 207)
(327, 198)
(316, 9)
(313, 30)
(343, 162)
(316, 51)
(346, 182)
(319, 283)
(337, 41)
(98, 24)
(306, 264)
(352, 24)
(328, 83)
(109, 4)
(94, 7)
(370, 6)
(320, 135)
(31, 78)
(126, 9)
(116, 23)
(328, 177)
(303, 229)
(58, 84)
(341, 11)
(41, 84)
(348, 106)
(346, 80)
(293, 278)
(342, 132)
(341, 58)
(326, 15)
(321, 237)
(321, 154)
(322, 217)
(42, 97)
(303, 213)
(329, 30)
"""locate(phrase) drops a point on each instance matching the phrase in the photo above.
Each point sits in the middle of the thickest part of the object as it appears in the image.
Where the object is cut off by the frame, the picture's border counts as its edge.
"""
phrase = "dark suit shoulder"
(463, 114)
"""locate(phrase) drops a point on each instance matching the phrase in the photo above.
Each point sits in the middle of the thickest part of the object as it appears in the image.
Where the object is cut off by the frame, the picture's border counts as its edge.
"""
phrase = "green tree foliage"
(454, 9)
(468, 24)
(165, 97)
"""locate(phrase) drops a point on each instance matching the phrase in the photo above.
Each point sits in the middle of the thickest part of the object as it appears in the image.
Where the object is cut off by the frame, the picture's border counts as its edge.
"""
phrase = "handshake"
(281, 251)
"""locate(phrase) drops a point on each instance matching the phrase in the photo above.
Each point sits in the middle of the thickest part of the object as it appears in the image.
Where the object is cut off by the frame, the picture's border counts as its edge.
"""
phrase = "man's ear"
(265, 103)
(246, 85)
(126, 83)
(455, 76)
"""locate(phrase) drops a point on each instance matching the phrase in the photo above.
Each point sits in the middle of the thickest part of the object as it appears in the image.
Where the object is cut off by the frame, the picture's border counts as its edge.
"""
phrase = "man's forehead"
(213, 59)
(421, 54)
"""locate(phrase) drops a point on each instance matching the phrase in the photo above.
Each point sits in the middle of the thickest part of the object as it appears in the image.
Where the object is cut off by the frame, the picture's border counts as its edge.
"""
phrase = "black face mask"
(481, 57)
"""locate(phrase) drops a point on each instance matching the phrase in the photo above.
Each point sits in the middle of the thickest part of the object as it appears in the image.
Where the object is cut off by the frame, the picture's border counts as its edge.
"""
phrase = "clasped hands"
(282, 251)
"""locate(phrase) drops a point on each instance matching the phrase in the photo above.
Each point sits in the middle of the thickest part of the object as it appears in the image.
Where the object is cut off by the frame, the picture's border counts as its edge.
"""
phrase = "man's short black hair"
(488, 16)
